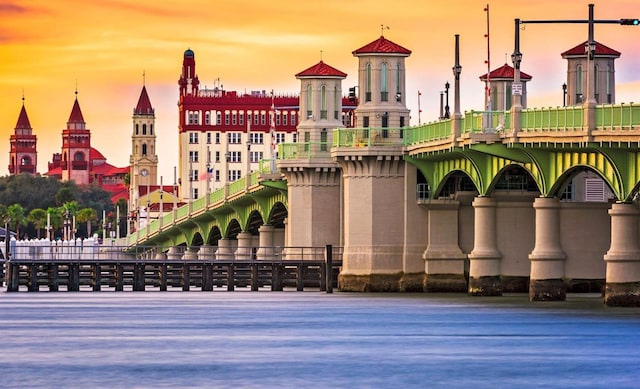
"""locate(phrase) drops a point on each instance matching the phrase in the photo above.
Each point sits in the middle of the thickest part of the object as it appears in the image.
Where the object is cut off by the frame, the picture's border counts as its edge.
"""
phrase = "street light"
(67, 227)
(564, 94)
(446, 93)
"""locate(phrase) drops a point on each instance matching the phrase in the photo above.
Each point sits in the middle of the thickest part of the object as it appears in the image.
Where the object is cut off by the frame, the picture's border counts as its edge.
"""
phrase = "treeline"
(27, 201)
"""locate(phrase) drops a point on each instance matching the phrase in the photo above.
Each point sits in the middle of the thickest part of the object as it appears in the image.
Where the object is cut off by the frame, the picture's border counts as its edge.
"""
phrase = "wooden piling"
(329, 271)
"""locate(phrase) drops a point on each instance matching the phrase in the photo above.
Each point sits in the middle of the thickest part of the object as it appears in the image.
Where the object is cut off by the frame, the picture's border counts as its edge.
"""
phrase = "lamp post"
(446, 93)
(516, 86)
(564, 94)
(67, 226)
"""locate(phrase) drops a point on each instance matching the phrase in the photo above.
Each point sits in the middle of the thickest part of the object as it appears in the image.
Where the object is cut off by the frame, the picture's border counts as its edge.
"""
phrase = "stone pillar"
(484, 259)
(622, 286)
(174, 253)
(225, 249)
(265, 249)
(207, 252)
(547, 258)
(244, 245)
(444, 260)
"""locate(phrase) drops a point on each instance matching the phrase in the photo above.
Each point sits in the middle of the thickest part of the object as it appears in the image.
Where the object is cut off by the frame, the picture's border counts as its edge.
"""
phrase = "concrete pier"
(623, 258)
(484, 259)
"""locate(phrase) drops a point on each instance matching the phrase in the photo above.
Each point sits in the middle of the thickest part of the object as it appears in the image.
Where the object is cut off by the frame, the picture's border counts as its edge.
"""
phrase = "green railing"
(154, 226)
(553, 119)
(484, 121)
(198, 204)
(216, 196)
(619, 116)
(306, 150)
(429, 132)
(365, 137)
(237, 186)
(182, 211)
(167, 218)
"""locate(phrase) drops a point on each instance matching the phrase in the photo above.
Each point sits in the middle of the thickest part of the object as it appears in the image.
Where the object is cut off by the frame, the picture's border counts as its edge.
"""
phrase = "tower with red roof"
(381, 81)
(501, 80)
(76, 147)
(143, 159)
(23, 155)
(578, 75)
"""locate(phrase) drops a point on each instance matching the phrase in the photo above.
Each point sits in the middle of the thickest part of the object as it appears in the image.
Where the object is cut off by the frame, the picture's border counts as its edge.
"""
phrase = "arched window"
(25, 160)
(367, 94)
(150, 129)
(398, 79)
(336, 103)
(137, 129)
(579, 96)
(596, 84)
(144, 149)
(384, 93)
(78, 156)
(144, 129)
(608, 85)
(309, 101)
(323, 102)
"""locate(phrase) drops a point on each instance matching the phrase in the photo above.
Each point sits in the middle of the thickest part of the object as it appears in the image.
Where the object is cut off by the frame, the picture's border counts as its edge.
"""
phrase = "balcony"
(79, 165)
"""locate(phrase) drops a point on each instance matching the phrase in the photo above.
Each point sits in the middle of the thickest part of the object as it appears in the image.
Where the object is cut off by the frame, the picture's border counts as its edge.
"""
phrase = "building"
(78, 161)
(223, 135)
(500, 81)
(23, 154)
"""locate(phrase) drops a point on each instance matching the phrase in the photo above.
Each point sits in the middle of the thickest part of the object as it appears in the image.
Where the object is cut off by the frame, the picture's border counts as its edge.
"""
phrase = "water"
(313, 340)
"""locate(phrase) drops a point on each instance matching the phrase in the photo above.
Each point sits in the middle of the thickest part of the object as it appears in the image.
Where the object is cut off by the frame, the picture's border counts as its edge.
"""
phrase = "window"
(234, 118)
(235, 156)
(144, 129)
(194, 193)
(217, 138)
(234, 137)
(234, 175)
(295, 137)
(241, 118)
(193, 156)
(218, 118)
(401, 121)
(384, 94)
(150, 129)
(279, 137)
(137, 129)
(336, 103)
(193, 138)
(398, 92)
(293, 118)
(217, 176)
(249, 117)
(208, 138)
(323, 140)
(255, 118)
(365, 121)
(217, 156)
(309, 102)
(323, 102)
(263, 118)
(193, 176)
(256, 156)
(144, 149)
(226, 118)
(367, 96)
(207, 118)
(193, 118)
(256, 138)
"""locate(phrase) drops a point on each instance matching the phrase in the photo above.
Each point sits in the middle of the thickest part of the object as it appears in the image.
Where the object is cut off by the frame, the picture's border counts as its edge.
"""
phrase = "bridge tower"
(374, 182)
(23, 157)
(578, 74)
(313, 178)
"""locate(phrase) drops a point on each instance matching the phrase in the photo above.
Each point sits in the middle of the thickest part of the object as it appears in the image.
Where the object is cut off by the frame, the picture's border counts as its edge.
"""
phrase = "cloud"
(12, 8)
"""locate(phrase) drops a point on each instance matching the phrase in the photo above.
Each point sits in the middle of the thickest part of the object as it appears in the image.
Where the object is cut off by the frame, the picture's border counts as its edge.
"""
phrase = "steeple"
(144, 104)
(76, 120)
(143, 160)
(188, 79)
(23, 155)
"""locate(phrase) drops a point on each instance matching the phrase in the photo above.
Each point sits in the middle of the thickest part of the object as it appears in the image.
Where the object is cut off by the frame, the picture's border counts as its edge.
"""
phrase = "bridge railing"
(553, 119)
(366, 137)
(619, 116)
(304, 150)
(429, 132)
(485, 121)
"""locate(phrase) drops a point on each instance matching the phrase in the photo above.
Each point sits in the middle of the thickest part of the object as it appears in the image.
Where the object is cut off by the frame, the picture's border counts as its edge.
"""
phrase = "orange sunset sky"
(103, 47)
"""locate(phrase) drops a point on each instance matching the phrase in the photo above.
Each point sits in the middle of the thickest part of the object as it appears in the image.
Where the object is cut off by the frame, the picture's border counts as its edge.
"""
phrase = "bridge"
(470, 208)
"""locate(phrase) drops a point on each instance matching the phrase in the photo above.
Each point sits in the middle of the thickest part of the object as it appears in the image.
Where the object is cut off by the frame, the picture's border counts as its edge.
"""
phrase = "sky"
(102, 48)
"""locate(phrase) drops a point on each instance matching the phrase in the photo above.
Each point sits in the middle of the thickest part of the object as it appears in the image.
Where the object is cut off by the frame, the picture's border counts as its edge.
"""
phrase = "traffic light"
(352, 94)
(630, 22)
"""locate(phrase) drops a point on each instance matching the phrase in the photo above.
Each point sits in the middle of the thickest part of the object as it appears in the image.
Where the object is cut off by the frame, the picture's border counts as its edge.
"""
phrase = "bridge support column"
(444, 260)
(484, 259)
(547, 258)
(244, 245)
(622, 286)
(266, 234)
(225, 249)
(206, 252)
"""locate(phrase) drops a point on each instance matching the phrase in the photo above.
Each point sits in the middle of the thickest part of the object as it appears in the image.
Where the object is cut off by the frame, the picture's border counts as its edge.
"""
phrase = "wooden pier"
(163, 275)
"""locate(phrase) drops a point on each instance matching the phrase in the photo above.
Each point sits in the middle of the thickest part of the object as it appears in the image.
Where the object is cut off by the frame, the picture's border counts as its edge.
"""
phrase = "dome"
(189, 53)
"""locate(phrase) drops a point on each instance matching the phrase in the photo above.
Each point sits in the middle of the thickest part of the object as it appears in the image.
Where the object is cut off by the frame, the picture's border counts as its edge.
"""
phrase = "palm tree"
(87, 215)
(37, 216)
(55, 216)
(68, 211)
(16, 213)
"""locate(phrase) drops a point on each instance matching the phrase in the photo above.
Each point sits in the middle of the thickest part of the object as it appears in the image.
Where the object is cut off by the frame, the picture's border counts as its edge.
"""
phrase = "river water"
(313, 340)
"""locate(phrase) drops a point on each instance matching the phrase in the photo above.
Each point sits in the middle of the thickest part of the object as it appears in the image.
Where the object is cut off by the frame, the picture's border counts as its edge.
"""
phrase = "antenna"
(320, 55)
(143, 77)
(382, 28)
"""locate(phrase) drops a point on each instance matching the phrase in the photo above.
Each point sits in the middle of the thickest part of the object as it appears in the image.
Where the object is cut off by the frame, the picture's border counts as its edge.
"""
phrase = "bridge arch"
(214, 236)
(197, 239)
(277, 215)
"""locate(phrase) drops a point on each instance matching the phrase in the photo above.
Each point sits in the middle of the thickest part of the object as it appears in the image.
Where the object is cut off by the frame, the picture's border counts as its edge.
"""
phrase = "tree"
(37, 216)
(65, 195)
(16, 214)
(55, 216)
(87, 215)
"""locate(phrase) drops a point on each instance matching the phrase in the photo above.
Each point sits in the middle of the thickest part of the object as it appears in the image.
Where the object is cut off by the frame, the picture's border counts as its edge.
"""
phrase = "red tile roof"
(95, 154)
(382, 46)
(144, 104)
(321, 69)
(76, 114)
(504, 72)
(23, 120)
(600, 50)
